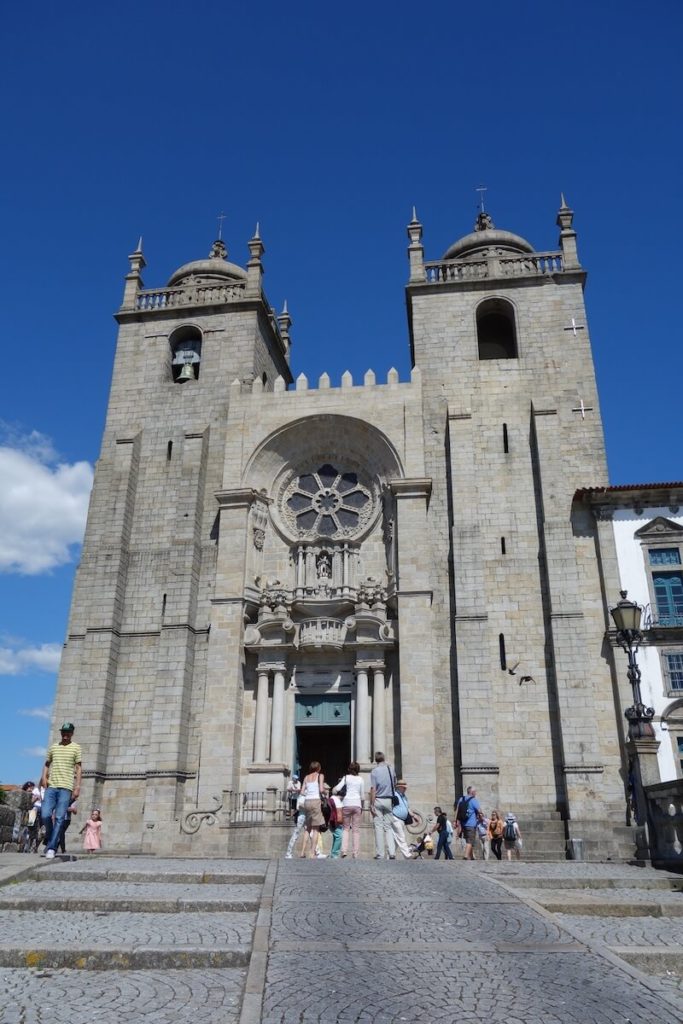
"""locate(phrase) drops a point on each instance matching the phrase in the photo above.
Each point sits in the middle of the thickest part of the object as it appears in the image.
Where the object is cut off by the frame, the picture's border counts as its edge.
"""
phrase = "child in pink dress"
(93, 832)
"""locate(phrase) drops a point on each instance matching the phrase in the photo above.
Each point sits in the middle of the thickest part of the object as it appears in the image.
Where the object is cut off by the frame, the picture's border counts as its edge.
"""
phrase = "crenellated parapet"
(302, 385)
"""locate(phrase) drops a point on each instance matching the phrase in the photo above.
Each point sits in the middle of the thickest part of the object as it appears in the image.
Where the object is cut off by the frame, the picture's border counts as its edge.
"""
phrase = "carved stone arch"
(325, 464)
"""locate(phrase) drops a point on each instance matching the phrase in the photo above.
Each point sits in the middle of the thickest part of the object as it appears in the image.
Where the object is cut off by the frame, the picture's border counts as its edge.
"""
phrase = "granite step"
(154, 897)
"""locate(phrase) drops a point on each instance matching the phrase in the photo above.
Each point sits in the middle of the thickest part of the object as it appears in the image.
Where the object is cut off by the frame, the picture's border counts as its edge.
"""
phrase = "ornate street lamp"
(627, 615)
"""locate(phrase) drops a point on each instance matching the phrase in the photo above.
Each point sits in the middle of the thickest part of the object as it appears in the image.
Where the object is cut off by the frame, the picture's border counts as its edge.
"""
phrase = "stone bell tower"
(134, 664)
(512, 427)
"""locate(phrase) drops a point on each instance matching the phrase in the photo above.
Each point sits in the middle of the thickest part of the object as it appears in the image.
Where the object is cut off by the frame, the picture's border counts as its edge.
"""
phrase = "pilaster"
(414, 597)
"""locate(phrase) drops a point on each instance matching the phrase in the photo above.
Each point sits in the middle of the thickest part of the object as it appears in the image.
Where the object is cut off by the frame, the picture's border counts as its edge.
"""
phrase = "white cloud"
(16, 661)
(34, 751)
(44, 712)
(43, 503)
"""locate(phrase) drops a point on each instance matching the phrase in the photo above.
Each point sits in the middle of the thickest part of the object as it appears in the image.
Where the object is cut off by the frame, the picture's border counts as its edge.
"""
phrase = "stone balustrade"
(170, 298)
(533, 264)
(665, 824)
(322, 632)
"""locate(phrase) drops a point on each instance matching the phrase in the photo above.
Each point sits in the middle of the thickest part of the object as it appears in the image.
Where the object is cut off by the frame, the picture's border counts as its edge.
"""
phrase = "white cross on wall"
(583, 409)
(574, 327)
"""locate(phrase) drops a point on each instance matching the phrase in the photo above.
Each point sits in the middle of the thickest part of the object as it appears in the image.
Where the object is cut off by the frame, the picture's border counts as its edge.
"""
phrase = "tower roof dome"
(214, 268)
(485, 237)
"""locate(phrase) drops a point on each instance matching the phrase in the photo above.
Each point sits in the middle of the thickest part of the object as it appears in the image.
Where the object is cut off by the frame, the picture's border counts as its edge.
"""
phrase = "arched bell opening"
(496, 330)
(186, 354)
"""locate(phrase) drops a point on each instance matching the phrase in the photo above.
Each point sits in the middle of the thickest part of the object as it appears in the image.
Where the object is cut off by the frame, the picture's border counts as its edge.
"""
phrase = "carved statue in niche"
(323, 566)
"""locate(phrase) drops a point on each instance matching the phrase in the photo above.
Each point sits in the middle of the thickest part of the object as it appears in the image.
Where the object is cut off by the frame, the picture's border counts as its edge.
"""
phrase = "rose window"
(327, 503)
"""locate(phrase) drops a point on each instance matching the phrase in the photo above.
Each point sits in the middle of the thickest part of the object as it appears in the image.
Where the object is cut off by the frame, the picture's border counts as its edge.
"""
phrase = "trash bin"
(575, 849)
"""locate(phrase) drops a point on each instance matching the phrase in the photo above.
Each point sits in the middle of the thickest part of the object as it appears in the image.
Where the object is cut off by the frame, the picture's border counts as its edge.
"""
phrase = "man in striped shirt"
(62, 776)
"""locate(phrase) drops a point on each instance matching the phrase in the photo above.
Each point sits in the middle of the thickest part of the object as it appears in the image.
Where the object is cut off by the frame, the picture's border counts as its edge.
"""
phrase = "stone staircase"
(175, 936)
(632, 913)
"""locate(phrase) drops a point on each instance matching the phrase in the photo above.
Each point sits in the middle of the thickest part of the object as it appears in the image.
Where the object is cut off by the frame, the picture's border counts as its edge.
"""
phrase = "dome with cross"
(484, 238)
(214, 269)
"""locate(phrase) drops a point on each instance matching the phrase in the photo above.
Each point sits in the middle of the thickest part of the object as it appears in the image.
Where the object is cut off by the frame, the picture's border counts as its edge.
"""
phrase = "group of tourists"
(54, 801)
(318, 808)
(492, 834)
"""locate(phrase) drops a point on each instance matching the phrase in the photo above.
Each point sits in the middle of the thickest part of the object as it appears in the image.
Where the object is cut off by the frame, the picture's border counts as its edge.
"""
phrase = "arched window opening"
(496, 332)
(186, 354)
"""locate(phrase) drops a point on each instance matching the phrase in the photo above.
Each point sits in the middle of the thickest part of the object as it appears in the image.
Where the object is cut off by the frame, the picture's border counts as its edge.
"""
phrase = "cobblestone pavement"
(349, 942)
(620, 902)
(366, 943)
(121, 997)
(106, 929)
(628, 931)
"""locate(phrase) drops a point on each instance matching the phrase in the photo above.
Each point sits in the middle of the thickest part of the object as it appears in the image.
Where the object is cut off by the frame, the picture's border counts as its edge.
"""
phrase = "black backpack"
(509, 832)
(462, 811)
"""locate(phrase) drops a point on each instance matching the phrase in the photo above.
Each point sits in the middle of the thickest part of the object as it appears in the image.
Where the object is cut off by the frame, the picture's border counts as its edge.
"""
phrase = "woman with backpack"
(351, 789)
(512, 837)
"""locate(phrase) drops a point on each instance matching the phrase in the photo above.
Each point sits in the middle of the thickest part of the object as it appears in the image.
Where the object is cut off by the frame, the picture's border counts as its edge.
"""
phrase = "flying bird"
(526, 679)
(512, 670)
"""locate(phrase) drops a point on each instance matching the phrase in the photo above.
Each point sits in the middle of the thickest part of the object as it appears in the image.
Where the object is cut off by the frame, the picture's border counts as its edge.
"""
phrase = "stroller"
(424, 845)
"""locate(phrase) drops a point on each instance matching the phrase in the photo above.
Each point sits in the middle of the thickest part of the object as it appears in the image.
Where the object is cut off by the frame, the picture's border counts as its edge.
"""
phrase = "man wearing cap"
(62, 777)
(399, 818)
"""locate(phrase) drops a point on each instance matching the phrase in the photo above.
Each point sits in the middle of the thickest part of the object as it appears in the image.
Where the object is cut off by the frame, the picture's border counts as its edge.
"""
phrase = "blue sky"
(325, 123)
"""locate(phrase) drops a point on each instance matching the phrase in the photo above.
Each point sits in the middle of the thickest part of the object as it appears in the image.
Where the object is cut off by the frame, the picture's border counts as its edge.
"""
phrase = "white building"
(647, 525)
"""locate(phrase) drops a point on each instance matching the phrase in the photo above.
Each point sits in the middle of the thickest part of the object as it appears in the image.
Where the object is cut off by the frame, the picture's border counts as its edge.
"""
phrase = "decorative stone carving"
(274, 596)
(193, 821)
(371, 593)
(259, 521)
(327, 501)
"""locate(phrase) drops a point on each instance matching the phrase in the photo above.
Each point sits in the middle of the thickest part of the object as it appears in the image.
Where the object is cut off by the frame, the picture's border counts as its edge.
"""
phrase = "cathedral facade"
(275, 571)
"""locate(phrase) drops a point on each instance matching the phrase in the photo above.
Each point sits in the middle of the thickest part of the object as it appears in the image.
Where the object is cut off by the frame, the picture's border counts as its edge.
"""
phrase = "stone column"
(379, 728)
(362, 717)
(644, 769)
(300, 572)
(261, 725)
(278, 717)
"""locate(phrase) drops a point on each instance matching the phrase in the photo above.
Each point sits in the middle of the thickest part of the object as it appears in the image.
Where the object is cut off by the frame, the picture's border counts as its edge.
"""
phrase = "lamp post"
(627, 615)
